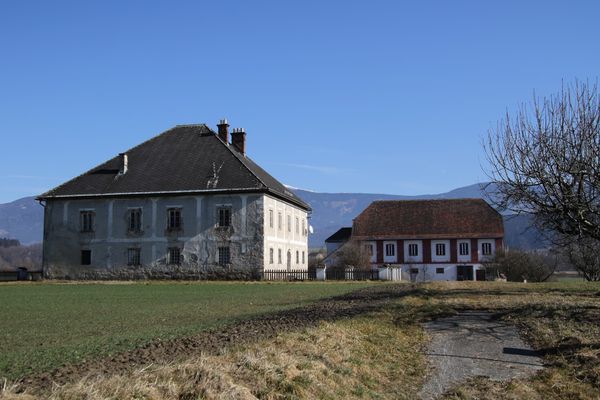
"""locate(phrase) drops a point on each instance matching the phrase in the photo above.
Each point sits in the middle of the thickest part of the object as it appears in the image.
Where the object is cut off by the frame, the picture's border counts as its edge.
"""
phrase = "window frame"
(440, 250)
(134, 256)
(440, 270)
(174, 256)
(134, 224)
(271, 255)
(87, 219)
(224, 216)
(174, 219)
(414, 253)
(464, 245)
(487, 245)
(387, 248)
(223, 256)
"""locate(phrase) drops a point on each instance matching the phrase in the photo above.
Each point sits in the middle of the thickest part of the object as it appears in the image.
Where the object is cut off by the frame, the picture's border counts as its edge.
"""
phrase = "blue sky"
(371, 96)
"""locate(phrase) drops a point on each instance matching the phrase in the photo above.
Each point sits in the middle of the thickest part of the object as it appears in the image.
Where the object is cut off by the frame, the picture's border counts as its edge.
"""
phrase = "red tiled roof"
(443, 219)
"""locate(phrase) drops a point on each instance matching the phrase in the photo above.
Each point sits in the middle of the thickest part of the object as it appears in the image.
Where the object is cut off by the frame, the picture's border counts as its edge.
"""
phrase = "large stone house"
(185, 204)
(430, 239)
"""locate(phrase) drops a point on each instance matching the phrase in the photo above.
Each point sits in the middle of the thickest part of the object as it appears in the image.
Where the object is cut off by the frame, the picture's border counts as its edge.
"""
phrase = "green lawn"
(44, 325)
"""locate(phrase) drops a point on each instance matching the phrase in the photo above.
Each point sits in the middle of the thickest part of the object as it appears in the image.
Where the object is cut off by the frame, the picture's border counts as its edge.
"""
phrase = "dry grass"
(359, 358)
(379, 355)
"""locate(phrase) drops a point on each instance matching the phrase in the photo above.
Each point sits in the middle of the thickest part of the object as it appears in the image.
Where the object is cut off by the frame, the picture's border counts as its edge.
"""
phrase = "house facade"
(431, 239)
(186, 204)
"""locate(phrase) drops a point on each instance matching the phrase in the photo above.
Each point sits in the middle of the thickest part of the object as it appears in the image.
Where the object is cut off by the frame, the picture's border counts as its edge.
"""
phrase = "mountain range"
(23, 219)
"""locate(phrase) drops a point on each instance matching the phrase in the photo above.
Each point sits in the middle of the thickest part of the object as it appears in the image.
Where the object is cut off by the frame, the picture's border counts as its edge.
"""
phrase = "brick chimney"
(238, 139)
(223, 130)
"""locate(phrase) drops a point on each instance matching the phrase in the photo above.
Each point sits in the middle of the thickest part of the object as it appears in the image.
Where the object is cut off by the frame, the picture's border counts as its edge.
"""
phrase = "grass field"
(46, 325)
(373, 355)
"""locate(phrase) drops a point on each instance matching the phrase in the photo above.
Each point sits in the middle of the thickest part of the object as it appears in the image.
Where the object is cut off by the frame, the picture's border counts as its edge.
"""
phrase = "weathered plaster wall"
(199, 238)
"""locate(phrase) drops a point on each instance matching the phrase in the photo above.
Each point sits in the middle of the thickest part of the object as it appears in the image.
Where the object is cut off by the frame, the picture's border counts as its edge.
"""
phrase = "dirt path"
(214, 341)
(474, 344)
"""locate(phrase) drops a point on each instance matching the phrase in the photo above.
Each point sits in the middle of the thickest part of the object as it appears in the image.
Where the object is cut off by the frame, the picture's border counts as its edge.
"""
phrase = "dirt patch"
(216, 341)
(474, 344)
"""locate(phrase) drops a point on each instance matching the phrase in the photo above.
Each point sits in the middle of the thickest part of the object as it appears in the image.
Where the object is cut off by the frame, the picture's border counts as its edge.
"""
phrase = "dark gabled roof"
(342, 235)
(443, 219)
(183, 159)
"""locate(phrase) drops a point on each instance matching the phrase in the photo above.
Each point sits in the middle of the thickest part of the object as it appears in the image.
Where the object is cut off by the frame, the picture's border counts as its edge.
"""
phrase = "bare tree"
(545, 160)
(353, 254)
(520, 265)
(584, 256)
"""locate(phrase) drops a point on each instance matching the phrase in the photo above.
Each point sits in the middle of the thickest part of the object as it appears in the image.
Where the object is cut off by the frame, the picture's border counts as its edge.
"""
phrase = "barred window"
(463, 249)
(440, 249)
(224, 256)
(87, 221)
(135, 220)
(174, 257)
(174, 218)
(133, 256)
(224, 215)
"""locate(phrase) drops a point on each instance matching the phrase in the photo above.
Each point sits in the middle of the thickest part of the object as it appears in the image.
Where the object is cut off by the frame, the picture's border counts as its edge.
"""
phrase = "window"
(279, 221)
(133, 257)
(289, 223)
(463, 249)
(413, 250)
(486, 249)
(414, 271)
(224, 256)
(390, 250)
(304, 227)
(439, 270)
(369, 249)
(278, 256)
(297, 225)
(86, 257)
(174, 219)
(440, 249)
(303, 259)
(174, 256)
(271, 255)
(297, 257)
(224, 215)
(134, 219)
(87, 222)
(270, 218)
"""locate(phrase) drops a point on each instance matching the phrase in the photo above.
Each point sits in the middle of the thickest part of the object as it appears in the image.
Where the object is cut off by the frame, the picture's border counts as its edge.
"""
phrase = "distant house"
(335, 241)
(431, 239)
(188, 203)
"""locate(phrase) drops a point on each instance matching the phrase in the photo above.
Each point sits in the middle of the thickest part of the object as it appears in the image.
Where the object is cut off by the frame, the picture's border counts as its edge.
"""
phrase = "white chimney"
(123, 164)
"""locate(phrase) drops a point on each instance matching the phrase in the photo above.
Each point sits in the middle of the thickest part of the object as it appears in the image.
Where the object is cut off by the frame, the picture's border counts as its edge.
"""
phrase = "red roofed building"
(431, 239)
